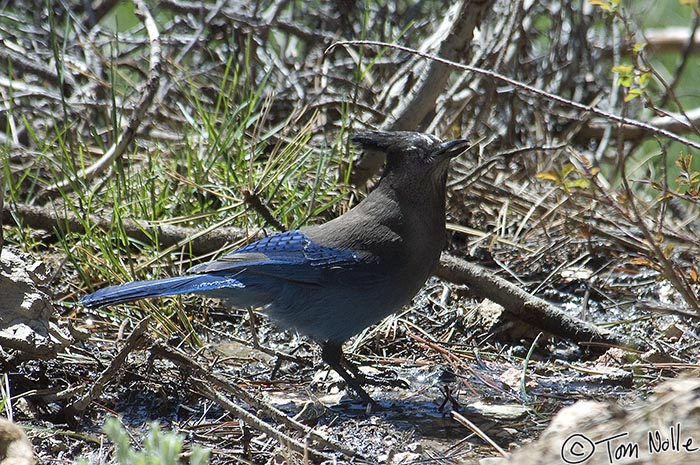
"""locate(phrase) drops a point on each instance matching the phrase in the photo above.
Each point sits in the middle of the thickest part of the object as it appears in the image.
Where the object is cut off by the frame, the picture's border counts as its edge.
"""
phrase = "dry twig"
(76, 408)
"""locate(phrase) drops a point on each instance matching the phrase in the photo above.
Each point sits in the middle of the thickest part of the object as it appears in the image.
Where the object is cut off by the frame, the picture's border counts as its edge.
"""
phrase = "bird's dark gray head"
(412, 153)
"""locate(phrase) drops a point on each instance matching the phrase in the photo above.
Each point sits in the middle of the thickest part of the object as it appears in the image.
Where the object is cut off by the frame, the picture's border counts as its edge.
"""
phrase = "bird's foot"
(332, 354)
(354, 385)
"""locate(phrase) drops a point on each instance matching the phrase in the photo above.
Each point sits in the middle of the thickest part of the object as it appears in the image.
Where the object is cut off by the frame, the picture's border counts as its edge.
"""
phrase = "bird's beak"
(452, 148)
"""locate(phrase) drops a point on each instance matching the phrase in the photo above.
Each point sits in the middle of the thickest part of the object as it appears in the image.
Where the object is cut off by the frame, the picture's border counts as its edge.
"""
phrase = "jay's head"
(412, 156)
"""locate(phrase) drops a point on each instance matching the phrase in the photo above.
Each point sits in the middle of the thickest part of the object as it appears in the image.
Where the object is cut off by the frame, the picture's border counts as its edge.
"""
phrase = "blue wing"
(289, 256)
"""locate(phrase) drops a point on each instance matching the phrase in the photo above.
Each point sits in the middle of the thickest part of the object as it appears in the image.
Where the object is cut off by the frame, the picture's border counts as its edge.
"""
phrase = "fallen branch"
(256, 423)
(526, 307)
(459, 24)
(202, 242)
(199, 241)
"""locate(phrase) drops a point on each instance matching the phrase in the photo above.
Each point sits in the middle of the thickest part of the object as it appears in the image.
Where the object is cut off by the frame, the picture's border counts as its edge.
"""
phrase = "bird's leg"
(332, 354)
(374, 380)
(253, 329)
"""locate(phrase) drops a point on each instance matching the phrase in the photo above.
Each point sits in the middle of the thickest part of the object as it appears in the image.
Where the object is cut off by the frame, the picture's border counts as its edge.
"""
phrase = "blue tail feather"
(197, 283)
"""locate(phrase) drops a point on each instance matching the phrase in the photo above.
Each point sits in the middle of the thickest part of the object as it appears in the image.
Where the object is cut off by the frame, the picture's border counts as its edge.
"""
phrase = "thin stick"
(464, 422)
(255, 422)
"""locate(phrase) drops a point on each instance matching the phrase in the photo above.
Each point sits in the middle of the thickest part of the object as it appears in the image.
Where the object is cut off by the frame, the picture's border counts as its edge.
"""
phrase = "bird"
(330, 281)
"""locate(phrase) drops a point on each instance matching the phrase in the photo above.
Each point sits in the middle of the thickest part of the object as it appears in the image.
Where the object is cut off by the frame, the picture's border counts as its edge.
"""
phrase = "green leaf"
(623, 69)
(625, 81)
(639, 46)
(601, 4)
(633, 94)
(580, 183)
(549, 175)
(567, 170)
(644, 79)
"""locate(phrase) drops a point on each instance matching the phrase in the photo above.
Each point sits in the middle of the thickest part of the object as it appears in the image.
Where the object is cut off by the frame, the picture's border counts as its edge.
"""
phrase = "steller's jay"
(333, 280)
